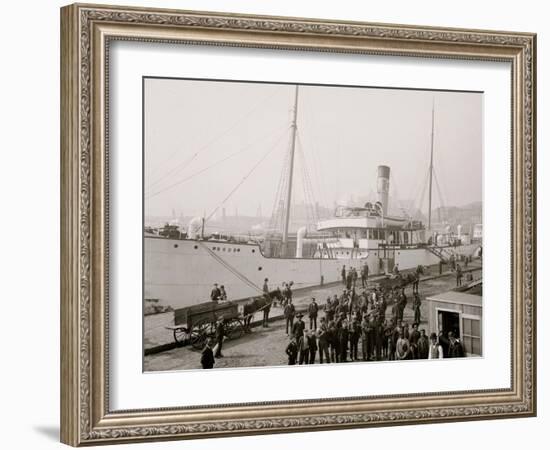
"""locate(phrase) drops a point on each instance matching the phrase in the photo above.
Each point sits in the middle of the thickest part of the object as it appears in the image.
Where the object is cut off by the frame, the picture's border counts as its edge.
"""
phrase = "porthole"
(253, 251)
(224, 249)
(260, 268)
(175, 245)
(196, 247)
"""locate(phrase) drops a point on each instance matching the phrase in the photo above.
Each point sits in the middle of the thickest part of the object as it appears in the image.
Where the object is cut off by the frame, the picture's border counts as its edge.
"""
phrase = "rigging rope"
(441, 201)
(229, 267)
(244, 179)
(309, 196)
(276, 212)
(177, 183)
(421, 204)
(216, 138)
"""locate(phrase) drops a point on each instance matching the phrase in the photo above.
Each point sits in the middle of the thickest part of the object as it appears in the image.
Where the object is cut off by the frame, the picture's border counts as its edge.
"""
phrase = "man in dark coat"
(323, 339)
(444, 342)
(329, 310)
(215, 294)
(364, 275)
(343, 273)
(455, 347)
(207, 356)
(266, 310)
(349, 280)
(332, 335)
(313, 310)
(312, 345)
(354, 277)
(220, 333)
(289, 312)
(292, 351)
(413, 339)
(365, 343)
(343, 337)
(298, 327)
(354, 335)
(423, 345)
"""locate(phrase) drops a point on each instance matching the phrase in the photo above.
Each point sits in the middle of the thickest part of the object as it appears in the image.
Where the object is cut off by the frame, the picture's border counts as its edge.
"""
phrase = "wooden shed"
(461, 313)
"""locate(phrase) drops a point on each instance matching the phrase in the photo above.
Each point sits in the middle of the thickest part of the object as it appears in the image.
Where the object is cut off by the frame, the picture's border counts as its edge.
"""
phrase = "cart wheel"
(180, 336)
(234, 329)
(199, 333)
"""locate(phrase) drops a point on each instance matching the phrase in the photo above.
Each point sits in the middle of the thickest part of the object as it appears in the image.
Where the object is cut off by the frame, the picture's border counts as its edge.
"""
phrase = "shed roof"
(457, 298)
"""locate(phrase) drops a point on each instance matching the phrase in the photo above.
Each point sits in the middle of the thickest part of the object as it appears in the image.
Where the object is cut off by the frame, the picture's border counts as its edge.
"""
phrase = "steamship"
(180, 268)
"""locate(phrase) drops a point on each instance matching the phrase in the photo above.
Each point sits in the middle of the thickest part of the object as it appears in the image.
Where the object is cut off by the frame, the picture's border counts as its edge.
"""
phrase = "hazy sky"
(203, 137)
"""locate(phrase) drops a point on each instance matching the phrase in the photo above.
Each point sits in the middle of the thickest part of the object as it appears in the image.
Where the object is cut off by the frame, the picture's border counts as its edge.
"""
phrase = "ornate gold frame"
(86, 31)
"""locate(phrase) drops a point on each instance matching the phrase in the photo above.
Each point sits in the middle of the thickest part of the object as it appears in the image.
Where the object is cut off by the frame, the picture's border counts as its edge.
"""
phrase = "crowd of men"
(350, 327)
(354, 327)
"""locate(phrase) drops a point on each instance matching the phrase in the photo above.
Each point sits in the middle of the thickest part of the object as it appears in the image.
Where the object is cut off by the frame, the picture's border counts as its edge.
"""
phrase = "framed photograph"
(276, 224)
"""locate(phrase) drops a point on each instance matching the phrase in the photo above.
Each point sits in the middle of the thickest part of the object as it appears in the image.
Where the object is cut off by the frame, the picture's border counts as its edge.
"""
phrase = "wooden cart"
(194, 324)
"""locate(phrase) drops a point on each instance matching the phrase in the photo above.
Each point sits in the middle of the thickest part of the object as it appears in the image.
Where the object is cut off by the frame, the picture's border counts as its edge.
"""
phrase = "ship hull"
(180, 273)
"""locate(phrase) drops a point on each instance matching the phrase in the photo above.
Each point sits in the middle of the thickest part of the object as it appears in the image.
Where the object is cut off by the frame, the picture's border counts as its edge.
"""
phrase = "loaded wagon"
(194, 324)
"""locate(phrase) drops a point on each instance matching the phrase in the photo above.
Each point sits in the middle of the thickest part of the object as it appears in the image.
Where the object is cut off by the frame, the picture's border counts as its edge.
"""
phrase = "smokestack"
(383, 187)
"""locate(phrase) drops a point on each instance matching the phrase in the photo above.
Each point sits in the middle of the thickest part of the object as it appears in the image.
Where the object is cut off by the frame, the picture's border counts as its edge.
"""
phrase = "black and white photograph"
(295, 224)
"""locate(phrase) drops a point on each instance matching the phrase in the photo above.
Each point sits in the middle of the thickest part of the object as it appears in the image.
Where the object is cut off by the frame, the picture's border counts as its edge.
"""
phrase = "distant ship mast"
(293, 127)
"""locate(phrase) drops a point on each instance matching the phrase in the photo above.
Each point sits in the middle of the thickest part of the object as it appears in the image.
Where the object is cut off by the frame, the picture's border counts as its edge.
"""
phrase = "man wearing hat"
(215, 294)
(323, 335)
(298, 327)
(220, 333)
(413, 339)
(303, 349)
(289, 312)
(292, 351)
(365, 337)
(423, 345)
(343, 338)
(403, 347)
(312, 310)
(266, 309)
(207, 356)
(436, 350)
(455, 347)
(312, 345)
(354, 335)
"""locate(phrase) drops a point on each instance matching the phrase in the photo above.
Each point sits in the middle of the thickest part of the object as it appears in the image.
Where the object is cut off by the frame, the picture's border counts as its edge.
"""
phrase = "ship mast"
(431, 173)
(293, 127)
